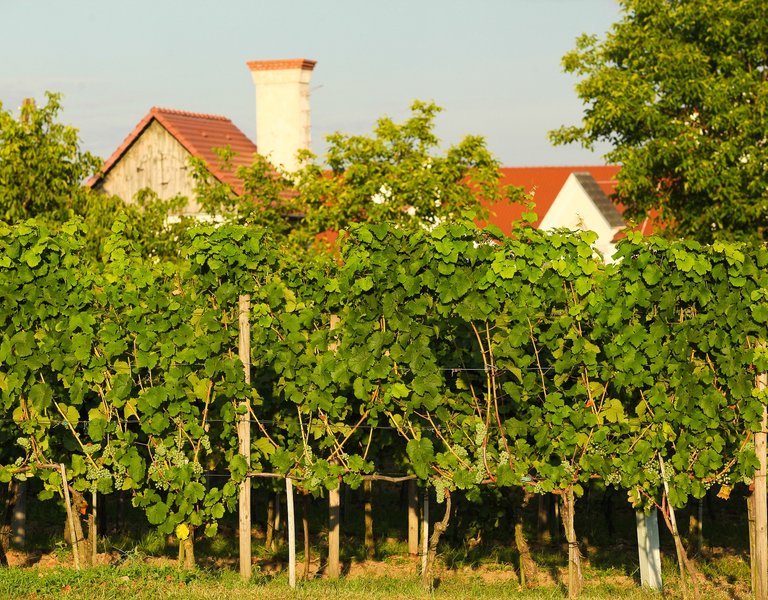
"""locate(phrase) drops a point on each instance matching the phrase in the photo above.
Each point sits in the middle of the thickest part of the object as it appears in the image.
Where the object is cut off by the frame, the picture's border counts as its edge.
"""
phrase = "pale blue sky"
(494, 65)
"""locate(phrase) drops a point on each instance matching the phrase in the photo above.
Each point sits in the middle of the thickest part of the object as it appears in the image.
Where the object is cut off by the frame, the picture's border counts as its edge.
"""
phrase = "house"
(571, 197)
(156, 153)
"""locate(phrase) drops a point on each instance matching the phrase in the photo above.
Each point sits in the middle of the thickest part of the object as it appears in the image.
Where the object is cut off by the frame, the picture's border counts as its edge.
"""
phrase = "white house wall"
(574, 209)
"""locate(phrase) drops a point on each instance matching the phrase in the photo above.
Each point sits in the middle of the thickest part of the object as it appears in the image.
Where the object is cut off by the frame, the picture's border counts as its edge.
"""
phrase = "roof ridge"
(184, 113)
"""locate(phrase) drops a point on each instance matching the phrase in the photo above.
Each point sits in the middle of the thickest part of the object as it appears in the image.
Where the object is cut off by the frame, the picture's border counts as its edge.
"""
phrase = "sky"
(493, 65)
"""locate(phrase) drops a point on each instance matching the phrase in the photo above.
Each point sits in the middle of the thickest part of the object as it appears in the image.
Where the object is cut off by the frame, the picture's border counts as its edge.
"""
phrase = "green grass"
(459, 576)
(141, 582)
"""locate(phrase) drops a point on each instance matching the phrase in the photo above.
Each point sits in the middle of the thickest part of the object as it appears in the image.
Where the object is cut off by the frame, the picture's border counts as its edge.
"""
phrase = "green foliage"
(151, 223)
(41, 164)
(678, 90)
(396, 175)
(466, 359)
(426, 345)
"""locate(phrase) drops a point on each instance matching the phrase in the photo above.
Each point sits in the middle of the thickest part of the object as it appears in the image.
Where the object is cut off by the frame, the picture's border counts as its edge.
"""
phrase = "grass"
(143, 582)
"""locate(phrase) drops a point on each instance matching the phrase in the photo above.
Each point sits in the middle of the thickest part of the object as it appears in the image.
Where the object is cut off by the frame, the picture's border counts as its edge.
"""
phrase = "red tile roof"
(544, 183)
(200, 134)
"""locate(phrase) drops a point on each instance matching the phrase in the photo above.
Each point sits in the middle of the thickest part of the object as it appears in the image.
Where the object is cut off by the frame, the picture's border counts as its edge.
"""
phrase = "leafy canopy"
(399, 174)
(42, 166)
(679, 89)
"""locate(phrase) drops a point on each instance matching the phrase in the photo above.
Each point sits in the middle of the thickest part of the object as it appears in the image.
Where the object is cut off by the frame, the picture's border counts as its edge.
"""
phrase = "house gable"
(582, 205)
(156, 155)
(155, 160)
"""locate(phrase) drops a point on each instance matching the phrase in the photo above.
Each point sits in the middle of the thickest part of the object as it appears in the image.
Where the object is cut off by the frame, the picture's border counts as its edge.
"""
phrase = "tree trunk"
(10, 498)
(79, 509)
(305, 525)
(427, 577)
(187, 550)
(268, 542)
(93, 534)
(527, 566)
(370, 547)
(682, 557)
(575, 580)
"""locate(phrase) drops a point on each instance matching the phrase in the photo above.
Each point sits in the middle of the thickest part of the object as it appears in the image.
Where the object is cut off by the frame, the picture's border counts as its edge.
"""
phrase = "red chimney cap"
(282, 64)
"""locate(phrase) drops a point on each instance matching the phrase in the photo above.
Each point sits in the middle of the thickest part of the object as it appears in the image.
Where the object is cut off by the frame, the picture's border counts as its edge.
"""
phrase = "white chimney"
(282, 109)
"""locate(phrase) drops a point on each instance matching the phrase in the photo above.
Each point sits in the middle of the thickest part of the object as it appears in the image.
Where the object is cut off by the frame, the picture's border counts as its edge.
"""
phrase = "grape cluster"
(95, 473)
(460, 451)
(25, 443)
(156, 472)
(108, 453)
(480, 433)
(613, 478)
(722, 479)
(479, 474)
(167, 458)
(652, 472)
(440, 486)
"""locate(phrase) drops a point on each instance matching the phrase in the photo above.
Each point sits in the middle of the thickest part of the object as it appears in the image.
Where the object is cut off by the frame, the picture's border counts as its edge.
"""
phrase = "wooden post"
(291, 532)
(751, 527)
(425, 531)
(334, 500)
(413, 518)
(70, 517)
(761, 508)
(574, 556)
(93, 532)
(244, 436)
(334, 531)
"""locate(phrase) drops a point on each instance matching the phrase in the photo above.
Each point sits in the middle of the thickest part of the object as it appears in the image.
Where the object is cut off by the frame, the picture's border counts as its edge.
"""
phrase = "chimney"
(282, 109)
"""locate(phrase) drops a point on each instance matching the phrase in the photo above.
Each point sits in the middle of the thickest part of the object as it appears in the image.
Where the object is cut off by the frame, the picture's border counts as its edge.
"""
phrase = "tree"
(397, 175)
(679, 89)
(42, 166)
